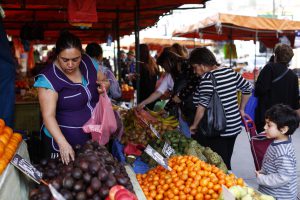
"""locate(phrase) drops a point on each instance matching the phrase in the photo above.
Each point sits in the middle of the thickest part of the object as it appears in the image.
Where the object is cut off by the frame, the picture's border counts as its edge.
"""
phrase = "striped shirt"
(279, 171)
(227, 84)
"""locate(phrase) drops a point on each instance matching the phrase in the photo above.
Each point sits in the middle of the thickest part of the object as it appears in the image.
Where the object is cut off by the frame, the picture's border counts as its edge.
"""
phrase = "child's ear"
(284, 130)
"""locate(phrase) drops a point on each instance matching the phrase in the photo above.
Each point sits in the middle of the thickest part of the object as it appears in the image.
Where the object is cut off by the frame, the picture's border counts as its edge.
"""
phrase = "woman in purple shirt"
(70, 97)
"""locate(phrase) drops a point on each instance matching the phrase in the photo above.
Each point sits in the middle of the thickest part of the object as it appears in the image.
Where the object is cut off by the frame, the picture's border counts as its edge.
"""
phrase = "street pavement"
(242, 161)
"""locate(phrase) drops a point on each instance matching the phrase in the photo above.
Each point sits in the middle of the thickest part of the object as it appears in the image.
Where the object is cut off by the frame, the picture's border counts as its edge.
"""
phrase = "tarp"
(237, 27)
(52, 15)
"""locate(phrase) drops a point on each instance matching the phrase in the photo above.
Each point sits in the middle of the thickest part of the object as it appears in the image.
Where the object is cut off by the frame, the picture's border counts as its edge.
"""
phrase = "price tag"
(156, 133)
(27, 168)
(168, 150)
(157, 157)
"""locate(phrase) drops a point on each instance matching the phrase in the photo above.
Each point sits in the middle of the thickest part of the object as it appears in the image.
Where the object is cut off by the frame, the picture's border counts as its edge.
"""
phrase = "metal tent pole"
(118, 45)
(137, 46)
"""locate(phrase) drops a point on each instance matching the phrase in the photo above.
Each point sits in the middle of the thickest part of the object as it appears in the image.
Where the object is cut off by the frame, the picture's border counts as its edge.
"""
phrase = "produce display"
(9, 143)
(91, 176)
(135, 130)
(190, 178)
(184, 146)
(247, 193)
(136, 125)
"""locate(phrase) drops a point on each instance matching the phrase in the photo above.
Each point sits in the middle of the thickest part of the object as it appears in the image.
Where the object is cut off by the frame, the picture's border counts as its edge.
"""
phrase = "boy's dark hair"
(283, 115)
(94, 50)
(203, 56)
(67, 40)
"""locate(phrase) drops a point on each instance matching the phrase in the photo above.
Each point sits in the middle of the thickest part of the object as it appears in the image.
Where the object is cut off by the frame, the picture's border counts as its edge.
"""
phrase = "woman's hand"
(67, 153)
(106, 85)
(242, 112)
(141, 105)
(257, 173)
(193, 129)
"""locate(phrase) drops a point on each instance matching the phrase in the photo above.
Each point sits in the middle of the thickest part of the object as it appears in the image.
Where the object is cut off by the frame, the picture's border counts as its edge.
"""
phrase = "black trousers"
(221, 145)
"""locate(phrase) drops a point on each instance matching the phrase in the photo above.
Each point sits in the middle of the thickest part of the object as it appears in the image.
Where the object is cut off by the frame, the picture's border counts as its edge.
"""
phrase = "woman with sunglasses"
(68, 91)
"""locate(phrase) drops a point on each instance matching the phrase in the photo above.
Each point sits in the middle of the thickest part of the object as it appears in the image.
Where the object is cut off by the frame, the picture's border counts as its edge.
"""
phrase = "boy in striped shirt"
(278, 176)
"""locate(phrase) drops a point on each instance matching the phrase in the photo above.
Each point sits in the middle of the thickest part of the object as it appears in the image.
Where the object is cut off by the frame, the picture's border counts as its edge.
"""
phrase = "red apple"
(114, 190)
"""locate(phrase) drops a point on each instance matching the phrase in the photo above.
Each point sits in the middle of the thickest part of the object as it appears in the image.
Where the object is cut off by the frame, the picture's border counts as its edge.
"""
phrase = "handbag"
(213, 122)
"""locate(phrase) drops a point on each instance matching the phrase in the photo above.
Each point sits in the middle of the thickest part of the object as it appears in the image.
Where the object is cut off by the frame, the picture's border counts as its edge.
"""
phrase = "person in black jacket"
(276, 84)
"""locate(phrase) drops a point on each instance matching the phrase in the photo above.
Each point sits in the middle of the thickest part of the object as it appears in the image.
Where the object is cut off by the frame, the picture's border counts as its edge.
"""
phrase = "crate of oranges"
(190, 178)
(9, 143)
(127, 92)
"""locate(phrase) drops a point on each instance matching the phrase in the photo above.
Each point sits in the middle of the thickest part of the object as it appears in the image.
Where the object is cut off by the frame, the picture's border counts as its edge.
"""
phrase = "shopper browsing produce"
(68, 92)
(278, 176)
(227, 84)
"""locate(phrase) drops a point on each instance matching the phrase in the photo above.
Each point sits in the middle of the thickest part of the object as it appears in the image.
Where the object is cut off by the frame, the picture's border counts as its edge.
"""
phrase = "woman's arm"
(48, 100)
(155, 95)
(244, 100)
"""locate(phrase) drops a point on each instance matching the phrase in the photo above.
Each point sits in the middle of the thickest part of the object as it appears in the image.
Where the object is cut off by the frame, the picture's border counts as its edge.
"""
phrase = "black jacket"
(285, 91)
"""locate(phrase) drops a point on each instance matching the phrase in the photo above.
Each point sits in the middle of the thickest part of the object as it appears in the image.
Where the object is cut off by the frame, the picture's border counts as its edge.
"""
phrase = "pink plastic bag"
(103, 122)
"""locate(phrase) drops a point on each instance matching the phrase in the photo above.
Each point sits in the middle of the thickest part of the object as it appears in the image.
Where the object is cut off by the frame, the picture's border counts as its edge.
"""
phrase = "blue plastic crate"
(117, 151)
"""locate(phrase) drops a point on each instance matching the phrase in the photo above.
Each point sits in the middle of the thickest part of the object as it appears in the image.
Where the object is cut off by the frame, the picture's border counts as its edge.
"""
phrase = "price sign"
(156, 133)
(157, 157)
(168, 150)
(27, 168)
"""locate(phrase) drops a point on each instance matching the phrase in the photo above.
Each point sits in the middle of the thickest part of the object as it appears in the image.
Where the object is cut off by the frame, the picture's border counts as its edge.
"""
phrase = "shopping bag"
(103, 123)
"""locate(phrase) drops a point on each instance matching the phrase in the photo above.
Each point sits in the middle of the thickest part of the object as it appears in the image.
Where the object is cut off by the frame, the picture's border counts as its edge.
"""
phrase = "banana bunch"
(164, 123)
(170, 121)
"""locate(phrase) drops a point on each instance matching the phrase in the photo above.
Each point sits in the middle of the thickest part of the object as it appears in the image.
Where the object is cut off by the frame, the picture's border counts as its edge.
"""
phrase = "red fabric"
(82, 11)
(133, 149)
(103, 122)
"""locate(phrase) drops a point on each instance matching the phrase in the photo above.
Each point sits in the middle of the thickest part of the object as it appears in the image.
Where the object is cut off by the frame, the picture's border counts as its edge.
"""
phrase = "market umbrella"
(237, 27)
(52, 15)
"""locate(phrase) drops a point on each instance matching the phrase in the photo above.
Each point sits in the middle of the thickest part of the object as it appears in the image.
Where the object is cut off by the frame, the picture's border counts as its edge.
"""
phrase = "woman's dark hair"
(203, 56)
(67, 40)
(170, 62)
(283, 53)
(94, 50)
(144, 53)
(146, 58)
(283, 115)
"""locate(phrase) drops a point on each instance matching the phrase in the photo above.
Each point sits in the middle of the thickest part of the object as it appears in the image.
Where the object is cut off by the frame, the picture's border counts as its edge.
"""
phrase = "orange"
(199, 196)
(2, 125)
(17, 136)
(7, 130)
(2, 147)
(4, 138)
(240, 182)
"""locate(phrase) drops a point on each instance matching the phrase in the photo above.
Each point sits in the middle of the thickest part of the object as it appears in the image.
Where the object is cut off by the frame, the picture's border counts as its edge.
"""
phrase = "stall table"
(14, 185)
